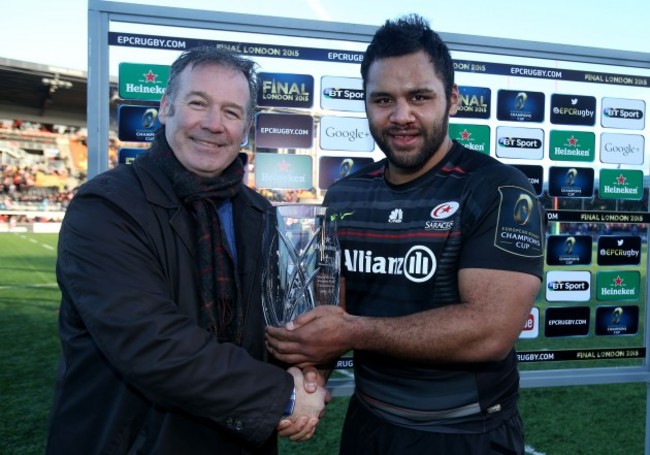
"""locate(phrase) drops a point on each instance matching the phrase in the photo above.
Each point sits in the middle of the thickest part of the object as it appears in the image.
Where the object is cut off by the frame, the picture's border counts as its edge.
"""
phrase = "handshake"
(309, 406)
(317, 337)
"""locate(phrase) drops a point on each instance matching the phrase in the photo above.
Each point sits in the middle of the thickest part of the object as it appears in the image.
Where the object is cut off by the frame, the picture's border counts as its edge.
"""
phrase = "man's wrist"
(288, 410)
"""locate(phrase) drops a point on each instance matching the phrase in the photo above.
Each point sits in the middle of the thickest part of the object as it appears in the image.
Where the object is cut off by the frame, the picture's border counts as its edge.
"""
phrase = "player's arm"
(483, 326)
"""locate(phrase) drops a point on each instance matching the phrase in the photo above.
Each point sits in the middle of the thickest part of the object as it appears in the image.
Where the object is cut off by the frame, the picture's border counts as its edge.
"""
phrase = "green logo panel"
(621, 184)
(474, 137)
(572, 146)
(142, 81)
(283, 171)
(618, 285)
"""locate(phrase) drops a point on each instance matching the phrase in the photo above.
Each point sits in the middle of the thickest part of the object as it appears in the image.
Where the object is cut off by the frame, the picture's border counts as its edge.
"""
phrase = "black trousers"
(366, 434)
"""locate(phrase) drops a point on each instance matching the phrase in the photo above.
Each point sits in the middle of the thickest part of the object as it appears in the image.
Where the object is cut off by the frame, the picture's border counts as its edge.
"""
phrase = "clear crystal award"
(301, 262)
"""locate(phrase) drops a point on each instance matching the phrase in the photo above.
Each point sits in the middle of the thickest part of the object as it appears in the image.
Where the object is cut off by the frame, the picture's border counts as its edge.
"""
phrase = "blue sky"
(55, 32)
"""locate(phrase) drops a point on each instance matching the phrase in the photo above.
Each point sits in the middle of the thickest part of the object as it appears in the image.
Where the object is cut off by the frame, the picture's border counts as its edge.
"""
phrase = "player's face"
(408, 112)
(206, 118)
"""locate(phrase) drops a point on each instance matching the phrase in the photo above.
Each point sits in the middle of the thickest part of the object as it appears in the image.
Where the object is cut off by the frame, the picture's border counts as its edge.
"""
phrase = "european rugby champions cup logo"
(137, 123)
(523, 209)
(571, 181)
(149, 117)
(618, 320)
(346, 167)
(520, 106)
(519, 227)
(568, 250)
(333, 168)
(568, 254)
(570, 178)
(569, 244)
(520, 101)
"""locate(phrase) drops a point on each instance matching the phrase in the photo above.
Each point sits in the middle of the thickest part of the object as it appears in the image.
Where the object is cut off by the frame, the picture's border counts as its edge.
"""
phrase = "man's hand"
(315, 338)
(308, 409)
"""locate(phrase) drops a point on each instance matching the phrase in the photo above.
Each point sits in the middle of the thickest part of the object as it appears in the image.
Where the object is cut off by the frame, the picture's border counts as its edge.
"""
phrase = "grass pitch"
(589, 420)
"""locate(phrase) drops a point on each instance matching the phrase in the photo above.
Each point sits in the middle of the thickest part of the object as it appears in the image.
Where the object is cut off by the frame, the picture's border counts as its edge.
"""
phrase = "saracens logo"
(418, 264)
(444, 210)
(441, 214)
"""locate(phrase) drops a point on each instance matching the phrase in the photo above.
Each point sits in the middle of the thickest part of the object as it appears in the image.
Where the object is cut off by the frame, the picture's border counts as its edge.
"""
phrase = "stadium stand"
(43, 154)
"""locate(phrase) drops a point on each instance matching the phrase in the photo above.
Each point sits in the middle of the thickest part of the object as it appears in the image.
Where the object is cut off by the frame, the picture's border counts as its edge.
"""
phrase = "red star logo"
(618, 281)
(283, 166)
(621, 179)
(150, 77)
(465, 135)
(572, 141)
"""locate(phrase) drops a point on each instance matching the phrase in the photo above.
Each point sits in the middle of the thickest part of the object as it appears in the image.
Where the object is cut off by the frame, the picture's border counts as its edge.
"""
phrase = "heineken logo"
(621, 184)
(142, 81)
(572, 146)
(619, 285)
(474, 137)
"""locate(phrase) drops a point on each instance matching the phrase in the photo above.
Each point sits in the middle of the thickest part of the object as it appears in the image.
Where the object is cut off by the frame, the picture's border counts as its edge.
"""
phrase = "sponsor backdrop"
(576, 130)
(137, 123)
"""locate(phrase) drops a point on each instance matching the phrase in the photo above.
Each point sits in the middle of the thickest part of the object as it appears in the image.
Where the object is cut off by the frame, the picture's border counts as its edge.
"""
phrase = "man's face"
(206, 119)
(408, 111)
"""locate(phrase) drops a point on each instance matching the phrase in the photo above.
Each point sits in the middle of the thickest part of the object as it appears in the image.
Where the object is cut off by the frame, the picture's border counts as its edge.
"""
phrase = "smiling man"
(442, 260)
(159, 266)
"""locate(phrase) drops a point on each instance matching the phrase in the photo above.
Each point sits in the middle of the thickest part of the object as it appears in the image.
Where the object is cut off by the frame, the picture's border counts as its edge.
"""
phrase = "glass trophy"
(301, 262)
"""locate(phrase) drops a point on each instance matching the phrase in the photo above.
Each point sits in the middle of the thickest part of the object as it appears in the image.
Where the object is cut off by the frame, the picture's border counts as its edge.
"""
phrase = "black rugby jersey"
(401, 249)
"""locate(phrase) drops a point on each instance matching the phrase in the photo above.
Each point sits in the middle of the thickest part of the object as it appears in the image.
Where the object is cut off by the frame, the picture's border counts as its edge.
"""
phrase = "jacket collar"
(248, 211)
(158, 191)
(156, 186)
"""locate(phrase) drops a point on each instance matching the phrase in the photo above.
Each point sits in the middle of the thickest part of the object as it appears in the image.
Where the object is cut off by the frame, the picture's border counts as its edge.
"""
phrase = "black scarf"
(221, 309)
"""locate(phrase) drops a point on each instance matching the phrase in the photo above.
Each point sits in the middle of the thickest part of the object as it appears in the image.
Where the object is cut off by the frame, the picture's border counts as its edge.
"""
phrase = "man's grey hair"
(207, 55)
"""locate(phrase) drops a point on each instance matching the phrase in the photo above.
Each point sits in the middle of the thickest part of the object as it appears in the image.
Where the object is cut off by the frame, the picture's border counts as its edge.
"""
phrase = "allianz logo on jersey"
(417, 265)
